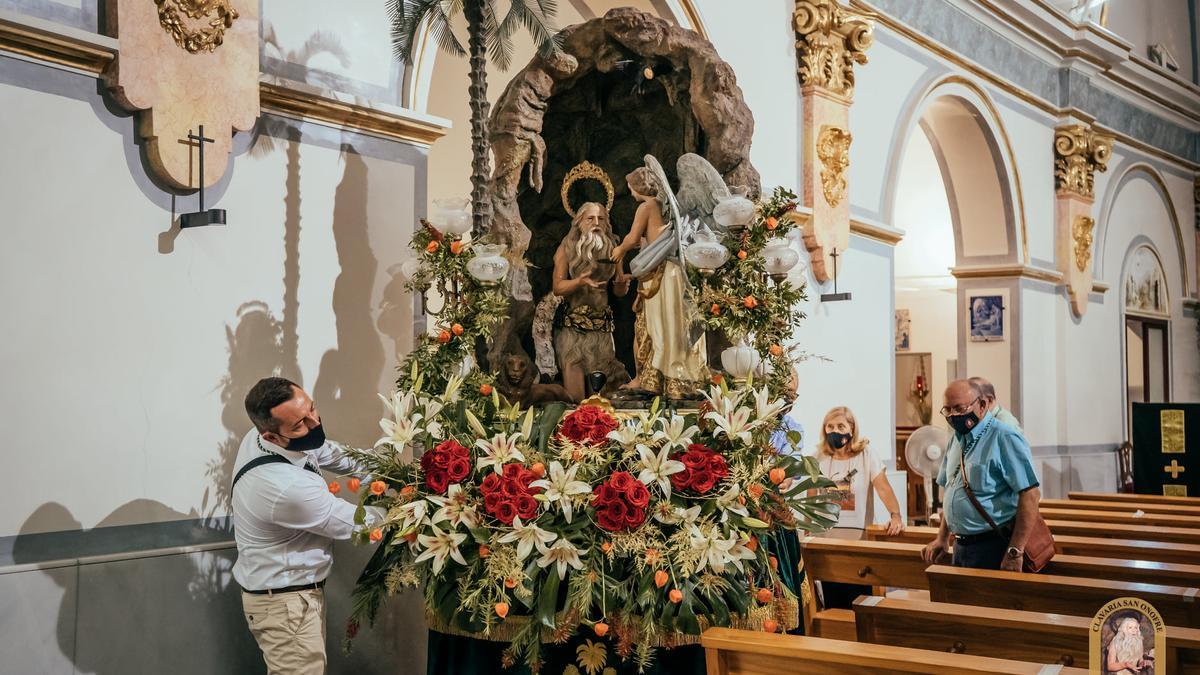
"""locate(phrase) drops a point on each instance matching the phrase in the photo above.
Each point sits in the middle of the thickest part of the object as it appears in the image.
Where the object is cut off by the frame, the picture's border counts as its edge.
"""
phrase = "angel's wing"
(700, 189)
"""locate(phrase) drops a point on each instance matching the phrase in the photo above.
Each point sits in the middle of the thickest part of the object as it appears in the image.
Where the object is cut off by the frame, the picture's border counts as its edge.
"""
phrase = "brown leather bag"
(1039, 545)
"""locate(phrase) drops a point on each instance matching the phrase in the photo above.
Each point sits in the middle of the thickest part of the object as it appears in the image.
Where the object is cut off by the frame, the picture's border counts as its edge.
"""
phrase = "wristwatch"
(1014, 552)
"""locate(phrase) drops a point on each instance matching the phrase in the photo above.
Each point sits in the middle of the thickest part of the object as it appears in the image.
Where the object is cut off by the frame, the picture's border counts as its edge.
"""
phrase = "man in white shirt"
(285, 520)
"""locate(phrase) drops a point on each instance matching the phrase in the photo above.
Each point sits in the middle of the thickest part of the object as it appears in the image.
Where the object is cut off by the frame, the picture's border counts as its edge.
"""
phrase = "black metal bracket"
(834, 296)
(202, 217)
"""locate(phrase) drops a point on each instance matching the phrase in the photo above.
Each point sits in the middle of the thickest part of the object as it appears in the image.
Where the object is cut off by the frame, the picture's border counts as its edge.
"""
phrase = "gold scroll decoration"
(1171, 427)
(829, 41)
(833, 149)
(1081, 233)
(585, 170)
(196, 25)
(1079, 152)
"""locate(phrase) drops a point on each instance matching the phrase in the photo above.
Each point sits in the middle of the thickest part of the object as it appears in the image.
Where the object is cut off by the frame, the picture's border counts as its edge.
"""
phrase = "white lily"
(404, 425)
(723, 402)
(764, 407)
(500, 450)
(734, 425)
(675, 515)
(560, 487)
(672, 431)
(432, 426)
(454, 508)
(526, 537)
(625, 434)
(656, 467)
(473, 422)
(728, 503)
(712, 547)
(413, 514)
(453, 386)
(440, 546)
(562, 554)
(738, 552)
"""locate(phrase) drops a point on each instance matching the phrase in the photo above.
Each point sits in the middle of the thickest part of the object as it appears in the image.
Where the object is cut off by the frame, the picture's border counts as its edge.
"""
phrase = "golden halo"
(585, 170)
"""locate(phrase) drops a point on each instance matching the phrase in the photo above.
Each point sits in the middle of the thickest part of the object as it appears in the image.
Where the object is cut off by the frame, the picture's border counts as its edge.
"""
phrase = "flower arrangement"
(530, 526)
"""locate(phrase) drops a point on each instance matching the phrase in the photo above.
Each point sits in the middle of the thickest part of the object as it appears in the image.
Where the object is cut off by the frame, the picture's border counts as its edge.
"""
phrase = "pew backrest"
(1133, 498)
(1124, 507)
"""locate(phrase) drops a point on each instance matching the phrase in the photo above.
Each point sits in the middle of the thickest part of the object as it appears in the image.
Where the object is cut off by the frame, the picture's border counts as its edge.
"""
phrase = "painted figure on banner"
(583, 273)
(669, 345)
(1126, 653)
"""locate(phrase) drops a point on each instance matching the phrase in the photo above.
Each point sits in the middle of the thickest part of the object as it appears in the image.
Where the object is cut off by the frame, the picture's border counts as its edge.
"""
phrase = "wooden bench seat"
(1121, 517)
(1086, 505)
(735, 652)
(1132, 498)
(1076, 596)
(999, 633)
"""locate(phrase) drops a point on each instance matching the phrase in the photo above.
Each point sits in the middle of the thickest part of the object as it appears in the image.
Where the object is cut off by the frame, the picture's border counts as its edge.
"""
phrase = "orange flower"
(741, 500)
(776, 350)
(715, 309)
(765, 595)
(410, 537)
(501, 609)
(660, 578)
(742, 254)
(774, 562)
(406, 490)
(772, 223)
(651, 556)
(378, 487)
(675, 595)
(484, 550)
(376, 535)
(444, 336)
(335, 487)
(353, 484)
(601, 628)
(538, 469)
(771, 625)
(432, 247)
(777, 475)
(716, 379)
(457, 329)
(485, 389)
(456, 247)
(753, 543)
(755, 490)
(510, 582)
(606, 546)
(750, 302)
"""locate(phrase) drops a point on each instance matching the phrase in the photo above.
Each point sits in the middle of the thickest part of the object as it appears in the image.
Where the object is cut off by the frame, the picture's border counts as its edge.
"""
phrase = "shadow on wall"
(135, 615)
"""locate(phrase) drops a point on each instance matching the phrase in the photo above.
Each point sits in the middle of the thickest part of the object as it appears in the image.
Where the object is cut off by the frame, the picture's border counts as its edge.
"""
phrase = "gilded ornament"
(830, 40)
(1081, 232)
(214, 17)
(833, 149)
(1078, 153)
(585, 170)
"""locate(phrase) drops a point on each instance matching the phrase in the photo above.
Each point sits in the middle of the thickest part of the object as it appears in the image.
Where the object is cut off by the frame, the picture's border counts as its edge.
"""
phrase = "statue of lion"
(517, 382)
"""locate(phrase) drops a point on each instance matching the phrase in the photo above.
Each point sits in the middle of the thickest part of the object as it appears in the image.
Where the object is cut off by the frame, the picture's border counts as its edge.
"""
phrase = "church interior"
(722, 229)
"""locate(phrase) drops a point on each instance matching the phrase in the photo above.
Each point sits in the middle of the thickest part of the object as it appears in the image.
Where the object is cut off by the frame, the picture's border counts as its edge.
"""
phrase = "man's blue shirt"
(999, 467)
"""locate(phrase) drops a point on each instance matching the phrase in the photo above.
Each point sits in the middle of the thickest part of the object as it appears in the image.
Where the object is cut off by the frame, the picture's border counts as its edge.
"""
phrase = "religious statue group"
(669, 343)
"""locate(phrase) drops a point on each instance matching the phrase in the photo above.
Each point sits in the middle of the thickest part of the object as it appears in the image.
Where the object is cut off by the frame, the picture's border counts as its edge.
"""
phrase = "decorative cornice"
(829, 41)
(1078, 153)
(1006, 272)
(833, 149)
(30, 41)
(875, 231)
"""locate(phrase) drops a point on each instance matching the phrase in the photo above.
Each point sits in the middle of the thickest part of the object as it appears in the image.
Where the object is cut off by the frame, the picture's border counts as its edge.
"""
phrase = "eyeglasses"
(959, 410)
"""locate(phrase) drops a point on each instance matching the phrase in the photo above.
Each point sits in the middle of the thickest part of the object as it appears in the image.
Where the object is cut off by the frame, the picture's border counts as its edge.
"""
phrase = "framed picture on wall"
(986, 317)
(903, 334)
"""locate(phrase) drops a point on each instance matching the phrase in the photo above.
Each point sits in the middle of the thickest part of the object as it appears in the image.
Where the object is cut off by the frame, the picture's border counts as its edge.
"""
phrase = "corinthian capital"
(1079, 152)
(829, 41)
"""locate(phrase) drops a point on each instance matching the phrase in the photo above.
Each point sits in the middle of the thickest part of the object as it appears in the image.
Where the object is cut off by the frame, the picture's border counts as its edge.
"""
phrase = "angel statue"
(583, 273)
(668, 342)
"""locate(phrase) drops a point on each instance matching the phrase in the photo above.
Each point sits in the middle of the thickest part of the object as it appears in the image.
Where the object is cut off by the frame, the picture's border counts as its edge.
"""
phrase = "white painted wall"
(1147, 22)
(122, 337)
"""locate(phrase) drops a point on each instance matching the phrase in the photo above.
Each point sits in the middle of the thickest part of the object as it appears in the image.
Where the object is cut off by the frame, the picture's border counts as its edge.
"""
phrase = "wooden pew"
(1086, 505)
(1057, 594)
(1123, 497)
(1121, 517)
(999, 633)
(1128, 549)
(1082, 528)
(736, 652)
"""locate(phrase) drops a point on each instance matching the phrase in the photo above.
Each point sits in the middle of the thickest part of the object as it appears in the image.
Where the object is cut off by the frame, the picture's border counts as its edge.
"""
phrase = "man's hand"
(587, 280)
(935, 550)
(1011, 564)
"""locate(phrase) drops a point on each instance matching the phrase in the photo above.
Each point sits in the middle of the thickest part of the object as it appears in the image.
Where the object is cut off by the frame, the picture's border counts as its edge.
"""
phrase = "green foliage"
(409, 17)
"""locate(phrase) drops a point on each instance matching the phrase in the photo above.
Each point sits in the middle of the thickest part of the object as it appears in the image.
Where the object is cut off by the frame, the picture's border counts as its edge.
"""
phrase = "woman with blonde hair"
(846, 459)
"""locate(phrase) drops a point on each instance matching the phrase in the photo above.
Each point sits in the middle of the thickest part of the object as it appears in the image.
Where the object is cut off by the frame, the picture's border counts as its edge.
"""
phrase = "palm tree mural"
(488, 37)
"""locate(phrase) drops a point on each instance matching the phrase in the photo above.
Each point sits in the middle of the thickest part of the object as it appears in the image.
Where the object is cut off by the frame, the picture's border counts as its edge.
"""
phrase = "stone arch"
(1127, 172)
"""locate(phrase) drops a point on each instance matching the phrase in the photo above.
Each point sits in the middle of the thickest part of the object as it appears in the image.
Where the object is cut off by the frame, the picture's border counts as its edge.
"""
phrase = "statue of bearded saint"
(582, 275)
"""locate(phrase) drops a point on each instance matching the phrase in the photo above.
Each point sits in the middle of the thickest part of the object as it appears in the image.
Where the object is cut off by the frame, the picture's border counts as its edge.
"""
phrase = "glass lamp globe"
(735, 211)
(489, 264)
(451, 216)
(705, 253)
(779, 258)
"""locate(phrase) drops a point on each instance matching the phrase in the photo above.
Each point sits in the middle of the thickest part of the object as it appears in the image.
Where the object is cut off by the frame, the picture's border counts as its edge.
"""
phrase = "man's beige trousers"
(290, 630)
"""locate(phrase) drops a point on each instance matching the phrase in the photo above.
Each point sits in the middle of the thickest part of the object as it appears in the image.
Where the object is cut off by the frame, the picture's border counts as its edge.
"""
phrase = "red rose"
(638, 496)
(717, 465)
(527, 507)
(703, 481)
(527, 477)
(492, 502)
(603, 494)
(606, 521)
(618, 509)
(441, 459)
(680, 479)
(621, 481)
(506, 512)
(694, 460)
(458, 469)
(512, 488)
(512, 471)
(635, 517)
(455, 449)
(587, 424)
(699, 447)
(437, 481)
(491, 483)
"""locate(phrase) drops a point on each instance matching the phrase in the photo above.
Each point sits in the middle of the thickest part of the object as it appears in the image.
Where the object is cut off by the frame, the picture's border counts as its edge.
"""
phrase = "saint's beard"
(593, 245)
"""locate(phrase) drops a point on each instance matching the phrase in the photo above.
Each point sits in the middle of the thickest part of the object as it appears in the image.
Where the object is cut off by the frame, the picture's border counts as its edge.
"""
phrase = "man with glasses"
(991, 460)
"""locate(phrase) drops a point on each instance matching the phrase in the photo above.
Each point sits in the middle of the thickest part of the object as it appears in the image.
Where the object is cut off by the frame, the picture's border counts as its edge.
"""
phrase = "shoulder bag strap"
(255, 463)
(962, 468)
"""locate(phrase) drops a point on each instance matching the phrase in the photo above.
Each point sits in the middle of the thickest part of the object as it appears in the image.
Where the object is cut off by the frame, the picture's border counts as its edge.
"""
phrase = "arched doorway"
(1147, 328)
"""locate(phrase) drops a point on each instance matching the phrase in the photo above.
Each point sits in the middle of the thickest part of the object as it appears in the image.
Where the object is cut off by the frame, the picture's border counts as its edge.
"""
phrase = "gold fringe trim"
(507, 629)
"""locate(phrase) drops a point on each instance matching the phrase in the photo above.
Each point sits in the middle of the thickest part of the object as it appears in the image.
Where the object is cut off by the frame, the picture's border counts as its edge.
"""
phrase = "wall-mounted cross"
(202, 217)
(1174, 469)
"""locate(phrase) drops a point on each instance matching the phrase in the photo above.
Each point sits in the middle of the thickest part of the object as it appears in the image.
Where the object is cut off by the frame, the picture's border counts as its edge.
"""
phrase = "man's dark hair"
(985, 388)
(265, 395)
